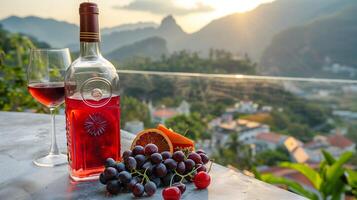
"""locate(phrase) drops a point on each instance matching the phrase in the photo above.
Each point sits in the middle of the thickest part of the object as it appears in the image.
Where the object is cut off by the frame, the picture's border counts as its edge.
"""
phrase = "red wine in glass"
(49, 94)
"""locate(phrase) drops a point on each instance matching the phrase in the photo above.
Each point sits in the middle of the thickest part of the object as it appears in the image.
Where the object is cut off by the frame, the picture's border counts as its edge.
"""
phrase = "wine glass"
(45, 75)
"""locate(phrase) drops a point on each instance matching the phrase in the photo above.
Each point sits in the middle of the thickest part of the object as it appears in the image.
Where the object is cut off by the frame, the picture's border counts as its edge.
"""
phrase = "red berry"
(171, 193)
(202, 180)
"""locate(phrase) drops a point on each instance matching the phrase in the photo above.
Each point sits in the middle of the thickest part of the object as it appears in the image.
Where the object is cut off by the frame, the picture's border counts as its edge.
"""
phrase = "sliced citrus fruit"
(153, 136)
(179, 142)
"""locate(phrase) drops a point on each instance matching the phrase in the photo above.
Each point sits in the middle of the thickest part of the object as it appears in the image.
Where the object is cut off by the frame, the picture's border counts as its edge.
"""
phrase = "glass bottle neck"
(89, 49)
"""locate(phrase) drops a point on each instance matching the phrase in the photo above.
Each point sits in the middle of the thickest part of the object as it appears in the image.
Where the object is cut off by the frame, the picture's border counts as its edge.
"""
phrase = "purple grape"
(180, 186)
(195, 157)
(178, 156)
(171, 164)
(102, 179)
(110, 173)
(113, 187)
(156, 158)
(124, 177)
(150, 149)
(190, 164)
(132, 182)
(200, 151)
(204, 158)
(201, 168)
(148, 167)
(140, 160)
(138, 150)
(156, 180)
(138, 190)
(130, 163)
(165, 155)
(109, 162)
(150, 188)
(120, 167)
(181, 168)
(160, 170)
(166, 179)
(127, 154)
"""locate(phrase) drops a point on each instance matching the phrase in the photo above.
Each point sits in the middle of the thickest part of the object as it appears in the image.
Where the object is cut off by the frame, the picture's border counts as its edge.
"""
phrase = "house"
(162, 113)
(268, 141)
(246, 130)
(271, 141)
(336, 144)
(246, 107)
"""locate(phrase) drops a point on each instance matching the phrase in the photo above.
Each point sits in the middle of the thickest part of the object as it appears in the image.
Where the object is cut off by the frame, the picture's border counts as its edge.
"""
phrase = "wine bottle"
(92, 98)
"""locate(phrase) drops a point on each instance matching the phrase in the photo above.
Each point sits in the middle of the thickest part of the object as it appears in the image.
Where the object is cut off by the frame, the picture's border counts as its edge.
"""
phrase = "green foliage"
(13, 83)
(328, 180)
(132, 109)
(309, 173)
(193, 126)
(351, 177)
(220, 61)
(292, 186)
(236, 154)
(271, 157)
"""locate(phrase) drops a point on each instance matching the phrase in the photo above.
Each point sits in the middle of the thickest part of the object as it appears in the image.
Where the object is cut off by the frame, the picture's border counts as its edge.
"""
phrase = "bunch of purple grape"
(144, 169)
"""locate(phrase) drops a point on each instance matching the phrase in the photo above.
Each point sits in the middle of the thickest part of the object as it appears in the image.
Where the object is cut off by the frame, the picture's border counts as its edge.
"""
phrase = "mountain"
(168, 30)
(326, 47)
(56, 33)
(153, 47)
(127, 27)
(251, 32)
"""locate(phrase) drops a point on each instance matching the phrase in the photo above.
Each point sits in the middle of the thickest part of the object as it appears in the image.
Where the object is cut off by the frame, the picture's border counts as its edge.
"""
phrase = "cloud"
(164, 7)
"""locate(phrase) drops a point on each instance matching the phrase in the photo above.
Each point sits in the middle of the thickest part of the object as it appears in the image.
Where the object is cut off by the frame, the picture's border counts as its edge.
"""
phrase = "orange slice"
(179, 142)
(153, 136)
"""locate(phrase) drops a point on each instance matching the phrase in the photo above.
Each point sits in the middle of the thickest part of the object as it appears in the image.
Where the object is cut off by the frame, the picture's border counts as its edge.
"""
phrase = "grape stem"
(182, 176)
(145, 177)
(210, 166)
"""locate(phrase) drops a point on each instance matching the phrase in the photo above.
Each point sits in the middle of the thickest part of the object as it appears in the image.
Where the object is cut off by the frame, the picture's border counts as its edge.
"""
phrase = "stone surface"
(24, 136)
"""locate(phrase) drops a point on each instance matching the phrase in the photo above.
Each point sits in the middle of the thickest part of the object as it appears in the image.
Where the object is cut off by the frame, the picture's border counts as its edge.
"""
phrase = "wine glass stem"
(54, 148)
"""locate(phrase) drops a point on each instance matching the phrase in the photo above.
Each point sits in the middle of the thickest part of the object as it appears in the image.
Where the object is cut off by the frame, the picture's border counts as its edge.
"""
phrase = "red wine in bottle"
(92, 99)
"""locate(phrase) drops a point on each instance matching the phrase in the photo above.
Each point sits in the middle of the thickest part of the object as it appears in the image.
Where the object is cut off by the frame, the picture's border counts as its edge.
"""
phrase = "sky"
(191, 15)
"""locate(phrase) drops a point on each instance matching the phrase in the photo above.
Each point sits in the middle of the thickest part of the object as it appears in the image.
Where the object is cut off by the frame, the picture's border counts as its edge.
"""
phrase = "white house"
(335, 144)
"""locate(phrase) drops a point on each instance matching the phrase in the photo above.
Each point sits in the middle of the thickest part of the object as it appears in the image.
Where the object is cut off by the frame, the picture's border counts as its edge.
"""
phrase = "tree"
(271, 157)
(13, 84)
(132, 109)
(193, 126)
(236, 154)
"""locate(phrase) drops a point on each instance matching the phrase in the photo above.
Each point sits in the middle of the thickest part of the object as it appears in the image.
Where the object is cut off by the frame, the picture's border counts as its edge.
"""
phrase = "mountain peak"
(168, 21)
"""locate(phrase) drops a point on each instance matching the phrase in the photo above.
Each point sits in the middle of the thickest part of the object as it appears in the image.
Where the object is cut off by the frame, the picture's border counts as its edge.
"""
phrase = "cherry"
(171, 193)
(202, 180)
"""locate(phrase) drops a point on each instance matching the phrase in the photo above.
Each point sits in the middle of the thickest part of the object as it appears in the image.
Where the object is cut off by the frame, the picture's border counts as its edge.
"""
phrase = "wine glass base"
(51, 160)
